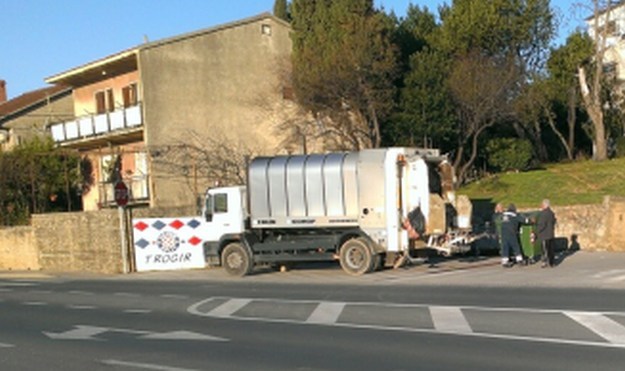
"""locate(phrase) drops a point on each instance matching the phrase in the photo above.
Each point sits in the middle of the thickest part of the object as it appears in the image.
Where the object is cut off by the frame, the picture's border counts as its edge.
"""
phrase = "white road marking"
(144, 366)
(3, 345)
(35, 303)
(138, 311)
(127, 294)
(434, 332)
(607, 273)
(181, 335)
(81, 332)
(616, 279)
(41, 291)
(17, 284)
(603, 326)
(449, 319)
(228, 308)
(326, 313)
(6, 290)
(77, 292)
(174, 296)
(81, 307)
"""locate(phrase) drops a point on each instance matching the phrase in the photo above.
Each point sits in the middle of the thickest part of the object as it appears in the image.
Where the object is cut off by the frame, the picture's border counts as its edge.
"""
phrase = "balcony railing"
(137, 188)
(97, 125)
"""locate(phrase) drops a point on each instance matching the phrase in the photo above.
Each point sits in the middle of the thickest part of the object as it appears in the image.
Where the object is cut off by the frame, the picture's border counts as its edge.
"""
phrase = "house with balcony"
(610, 23)
(136, 112)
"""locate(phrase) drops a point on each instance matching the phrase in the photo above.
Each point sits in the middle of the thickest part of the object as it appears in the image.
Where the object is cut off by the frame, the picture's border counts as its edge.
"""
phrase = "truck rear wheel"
(356, 257)
(236, 260)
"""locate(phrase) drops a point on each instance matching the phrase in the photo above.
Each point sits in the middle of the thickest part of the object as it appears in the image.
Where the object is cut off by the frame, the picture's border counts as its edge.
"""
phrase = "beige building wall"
(226, 84)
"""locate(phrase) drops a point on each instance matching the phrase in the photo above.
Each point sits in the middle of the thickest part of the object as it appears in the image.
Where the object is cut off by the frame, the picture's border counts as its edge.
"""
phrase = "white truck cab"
(224, 211)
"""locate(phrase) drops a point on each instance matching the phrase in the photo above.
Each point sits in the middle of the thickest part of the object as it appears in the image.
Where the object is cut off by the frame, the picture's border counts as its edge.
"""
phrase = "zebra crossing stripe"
(326, 313)
(228, 308)
(603, 326)
(449, 319)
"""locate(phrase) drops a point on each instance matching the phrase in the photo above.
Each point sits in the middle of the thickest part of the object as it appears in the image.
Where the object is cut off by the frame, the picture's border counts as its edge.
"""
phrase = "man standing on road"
(510, 222)
(545, 232)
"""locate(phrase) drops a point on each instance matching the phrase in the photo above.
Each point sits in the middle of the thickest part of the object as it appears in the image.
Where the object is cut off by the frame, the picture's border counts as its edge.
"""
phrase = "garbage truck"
(367, 209)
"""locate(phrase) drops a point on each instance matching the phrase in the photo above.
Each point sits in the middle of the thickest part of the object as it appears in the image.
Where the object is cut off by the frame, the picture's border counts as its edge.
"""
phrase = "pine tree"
(280, 10)
(343, 66)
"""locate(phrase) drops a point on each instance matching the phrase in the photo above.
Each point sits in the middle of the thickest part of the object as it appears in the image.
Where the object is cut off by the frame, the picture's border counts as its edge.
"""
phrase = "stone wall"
(72, 242)
(593, 227)
(18, 250)
(81, 241)
(90, 241)
(615, 225)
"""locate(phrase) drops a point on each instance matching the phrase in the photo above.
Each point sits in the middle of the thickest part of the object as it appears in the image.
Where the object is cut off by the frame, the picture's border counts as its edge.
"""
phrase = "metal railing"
(137, 188)
(96, 125)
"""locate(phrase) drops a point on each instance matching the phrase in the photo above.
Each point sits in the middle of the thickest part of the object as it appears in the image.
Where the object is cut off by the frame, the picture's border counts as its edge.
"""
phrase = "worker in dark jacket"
(545, 232)
(510, 223)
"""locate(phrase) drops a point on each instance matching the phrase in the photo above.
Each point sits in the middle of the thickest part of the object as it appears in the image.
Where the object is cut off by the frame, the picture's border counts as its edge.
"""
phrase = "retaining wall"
(18, 250)
(599, 227)
(90, 241)
(69, 242)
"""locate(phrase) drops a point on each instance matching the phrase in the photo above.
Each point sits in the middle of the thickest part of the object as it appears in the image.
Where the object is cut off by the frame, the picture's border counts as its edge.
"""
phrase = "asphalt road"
(315, 318)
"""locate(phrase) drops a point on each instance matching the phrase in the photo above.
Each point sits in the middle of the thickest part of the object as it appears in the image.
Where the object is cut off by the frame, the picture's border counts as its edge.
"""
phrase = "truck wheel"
(356, 257)
(236, 260)
(378, 262)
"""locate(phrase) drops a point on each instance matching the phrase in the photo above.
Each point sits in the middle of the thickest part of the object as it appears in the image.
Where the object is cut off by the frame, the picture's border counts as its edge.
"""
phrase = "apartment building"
(136, 112)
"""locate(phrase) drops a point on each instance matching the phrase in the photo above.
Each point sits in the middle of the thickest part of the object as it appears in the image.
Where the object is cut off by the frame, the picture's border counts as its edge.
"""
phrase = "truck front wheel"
(356, 257)
(236, 260)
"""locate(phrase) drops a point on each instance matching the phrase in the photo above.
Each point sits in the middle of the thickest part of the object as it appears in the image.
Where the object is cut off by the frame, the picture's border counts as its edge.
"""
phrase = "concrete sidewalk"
(581, 269)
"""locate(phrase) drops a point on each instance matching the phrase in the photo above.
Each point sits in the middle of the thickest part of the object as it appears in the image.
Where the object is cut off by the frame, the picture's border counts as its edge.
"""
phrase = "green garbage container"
(529, 245)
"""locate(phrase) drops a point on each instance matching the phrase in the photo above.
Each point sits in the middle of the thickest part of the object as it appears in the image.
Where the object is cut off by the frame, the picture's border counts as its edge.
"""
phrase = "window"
(100, 102)
(221, 203)
(104, 101)
(130, 95)
(110, 168)
(610, 29)
(265, 29)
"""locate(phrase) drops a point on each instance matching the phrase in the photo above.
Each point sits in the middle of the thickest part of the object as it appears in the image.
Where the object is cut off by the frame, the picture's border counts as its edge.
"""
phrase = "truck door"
(222, 213)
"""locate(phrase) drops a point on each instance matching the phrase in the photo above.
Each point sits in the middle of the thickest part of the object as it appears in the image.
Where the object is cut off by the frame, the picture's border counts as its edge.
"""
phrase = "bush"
(509, 154)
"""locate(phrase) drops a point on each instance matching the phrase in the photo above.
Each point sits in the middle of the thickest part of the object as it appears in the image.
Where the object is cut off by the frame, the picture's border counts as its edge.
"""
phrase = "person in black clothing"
(510, 222)
(545, 233)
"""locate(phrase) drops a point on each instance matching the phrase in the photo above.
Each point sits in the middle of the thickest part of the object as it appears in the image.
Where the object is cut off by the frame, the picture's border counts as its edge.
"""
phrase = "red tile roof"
(28, 99)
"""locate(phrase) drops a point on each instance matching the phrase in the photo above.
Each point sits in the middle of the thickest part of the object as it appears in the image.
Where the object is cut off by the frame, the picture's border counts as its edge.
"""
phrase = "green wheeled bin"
(530, 246)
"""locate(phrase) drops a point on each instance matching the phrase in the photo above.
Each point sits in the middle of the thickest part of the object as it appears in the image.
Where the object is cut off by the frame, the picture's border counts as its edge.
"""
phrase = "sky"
(41, 38)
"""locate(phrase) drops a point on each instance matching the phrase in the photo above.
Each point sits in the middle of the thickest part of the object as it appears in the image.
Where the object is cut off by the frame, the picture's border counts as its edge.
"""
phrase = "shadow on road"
(564, 250)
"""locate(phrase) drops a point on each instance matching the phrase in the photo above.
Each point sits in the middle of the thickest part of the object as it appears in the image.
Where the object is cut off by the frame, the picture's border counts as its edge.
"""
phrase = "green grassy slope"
(582, 182)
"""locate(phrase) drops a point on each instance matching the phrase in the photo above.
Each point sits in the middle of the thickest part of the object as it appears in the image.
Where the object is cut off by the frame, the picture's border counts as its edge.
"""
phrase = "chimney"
(3, 91)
